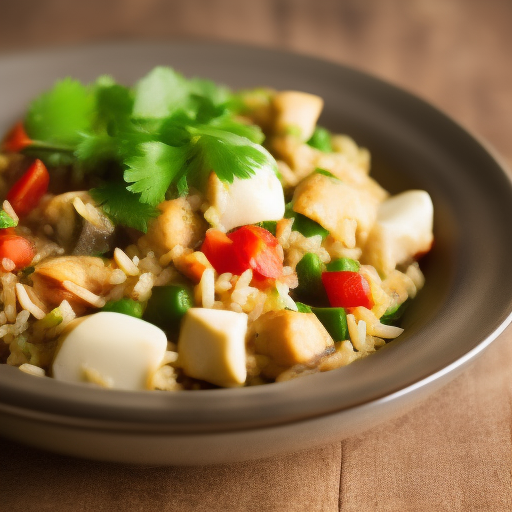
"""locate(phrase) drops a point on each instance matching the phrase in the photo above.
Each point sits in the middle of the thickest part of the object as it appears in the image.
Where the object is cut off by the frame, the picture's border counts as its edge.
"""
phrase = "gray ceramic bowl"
(465, 304)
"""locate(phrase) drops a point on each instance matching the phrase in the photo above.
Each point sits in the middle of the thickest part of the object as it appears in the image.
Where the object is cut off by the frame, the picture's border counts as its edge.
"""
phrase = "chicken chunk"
(178, 224)
(288, 338)
(87, 272)
(347, 212)
(296, 111)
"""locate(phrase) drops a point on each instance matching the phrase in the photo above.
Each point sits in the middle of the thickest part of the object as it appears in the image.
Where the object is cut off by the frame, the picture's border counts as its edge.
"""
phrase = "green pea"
(125, 306)
(167, 306)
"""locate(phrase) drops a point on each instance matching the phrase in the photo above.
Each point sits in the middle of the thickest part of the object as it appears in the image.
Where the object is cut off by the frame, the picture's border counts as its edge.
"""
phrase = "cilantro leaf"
(155, 170)
(114, 104)
(6, 221)
(250, 131)
(227, 154)
(59, 115)
(94, 150)
(160, 93)
(123, 206)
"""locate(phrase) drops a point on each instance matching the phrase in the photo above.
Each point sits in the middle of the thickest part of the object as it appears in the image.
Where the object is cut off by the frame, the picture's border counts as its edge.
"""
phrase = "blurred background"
(454, 53)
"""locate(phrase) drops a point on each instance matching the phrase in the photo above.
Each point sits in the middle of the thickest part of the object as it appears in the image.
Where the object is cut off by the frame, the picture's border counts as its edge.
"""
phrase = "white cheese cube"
(402, 230)
(111, 349)
(247, 201)
(211, 346)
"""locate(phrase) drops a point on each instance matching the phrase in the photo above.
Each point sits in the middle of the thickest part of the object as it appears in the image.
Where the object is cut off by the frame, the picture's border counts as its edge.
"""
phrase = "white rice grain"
(26, 303)
(207, 288)
(8, 265)
(125, 263)
(142, 290)
(117, 276)
(84, 294)
(10, 211)
(32, 370)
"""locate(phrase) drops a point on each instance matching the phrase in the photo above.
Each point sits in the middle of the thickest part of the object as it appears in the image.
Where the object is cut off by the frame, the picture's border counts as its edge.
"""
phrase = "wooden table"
(453, 453)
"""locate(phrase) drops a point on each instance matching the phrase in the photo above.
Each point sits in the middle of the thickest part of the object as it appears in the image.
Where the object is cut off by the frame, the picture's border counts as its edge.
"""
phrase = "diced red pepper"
(218, 249)
(256, 248)
(347, 289)
(249, 247)
(26, 193)
(16, 248)
(17, 139)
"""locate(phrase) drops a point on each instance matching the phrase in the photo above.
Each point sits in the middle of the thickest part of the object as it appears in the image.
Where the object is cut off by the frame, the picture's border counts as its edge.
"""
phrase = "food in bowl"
(177, 235)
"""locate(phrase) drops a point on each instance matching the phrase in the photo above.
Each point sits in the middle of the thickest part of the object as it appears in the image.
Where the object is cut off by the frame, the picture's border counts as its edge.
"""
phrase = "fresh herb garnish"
(6, 221)
(154, 140)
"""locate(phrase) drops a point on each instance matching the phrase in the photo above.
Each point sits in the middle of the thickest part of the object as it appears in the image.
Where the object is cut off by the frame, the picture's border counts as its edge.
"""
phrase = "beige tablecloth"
(453, 452)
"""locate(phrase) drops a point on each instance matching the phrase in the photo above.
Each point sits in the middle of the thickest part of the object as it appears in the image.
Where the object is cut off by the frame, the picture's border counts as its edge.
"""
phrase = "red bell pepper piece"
(16, 248)
(256, 248)
(26, 193)
(218, 249)
(249, 247)
(17, 139)
(347, 289)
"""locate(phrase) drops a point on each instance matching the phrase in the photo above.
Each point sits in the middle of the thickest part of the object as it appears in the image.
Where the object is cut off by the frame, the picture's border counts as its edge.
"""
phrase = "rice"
(84, 294)
(142, 290)
(32, 370)
(26, 303)
(10, 211)
(207, 288)
(125, 263)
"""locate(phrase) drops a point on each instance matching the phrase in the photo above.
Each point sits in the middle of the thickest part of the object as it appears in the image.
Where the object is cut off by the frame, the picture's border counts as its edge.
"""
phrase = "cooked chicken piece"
(347, 212)
(300, 157)
(288, 338)
(296, 112)
(87, 272)
(178, 224)
(403, 229)
(349, 173)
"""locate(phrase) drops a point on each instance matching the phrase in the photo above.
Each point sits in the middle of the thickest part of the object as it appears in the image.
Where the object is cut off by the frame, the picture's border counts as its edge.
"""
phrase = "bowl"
(466, 302)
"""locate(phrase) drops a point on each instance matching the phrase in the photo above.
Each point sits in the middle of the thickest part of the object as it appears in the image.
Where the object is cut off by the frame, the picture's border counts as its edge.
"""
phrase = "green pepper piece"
(343, 265)
(269, 225)
(309, 273)
(303, 308)
(167, 306)
(304, 225)
(394, 313)
(321, 140)
(335, 322)
(125, 306)
(52, 319)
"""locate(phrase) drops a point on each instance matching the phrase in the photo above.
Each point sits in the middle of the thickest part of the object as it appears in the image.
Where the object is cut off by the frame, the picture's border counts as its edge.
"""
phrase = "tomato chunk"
(218, 249)
(17, 139)
(249, 247)
(16, 248)
(257, 249)
(26, 193)
(347, 289)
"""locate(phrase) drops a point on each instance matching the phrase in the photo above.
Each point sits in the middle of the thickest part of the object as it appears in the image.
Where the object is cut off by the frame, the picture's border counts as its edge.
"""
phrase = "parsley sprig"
(147, 143)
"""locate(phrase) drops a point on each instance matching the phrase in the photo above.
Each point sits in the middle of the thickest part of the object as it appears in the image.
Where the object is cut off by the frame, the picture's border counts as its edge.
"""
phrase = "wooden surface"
(454, 451)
